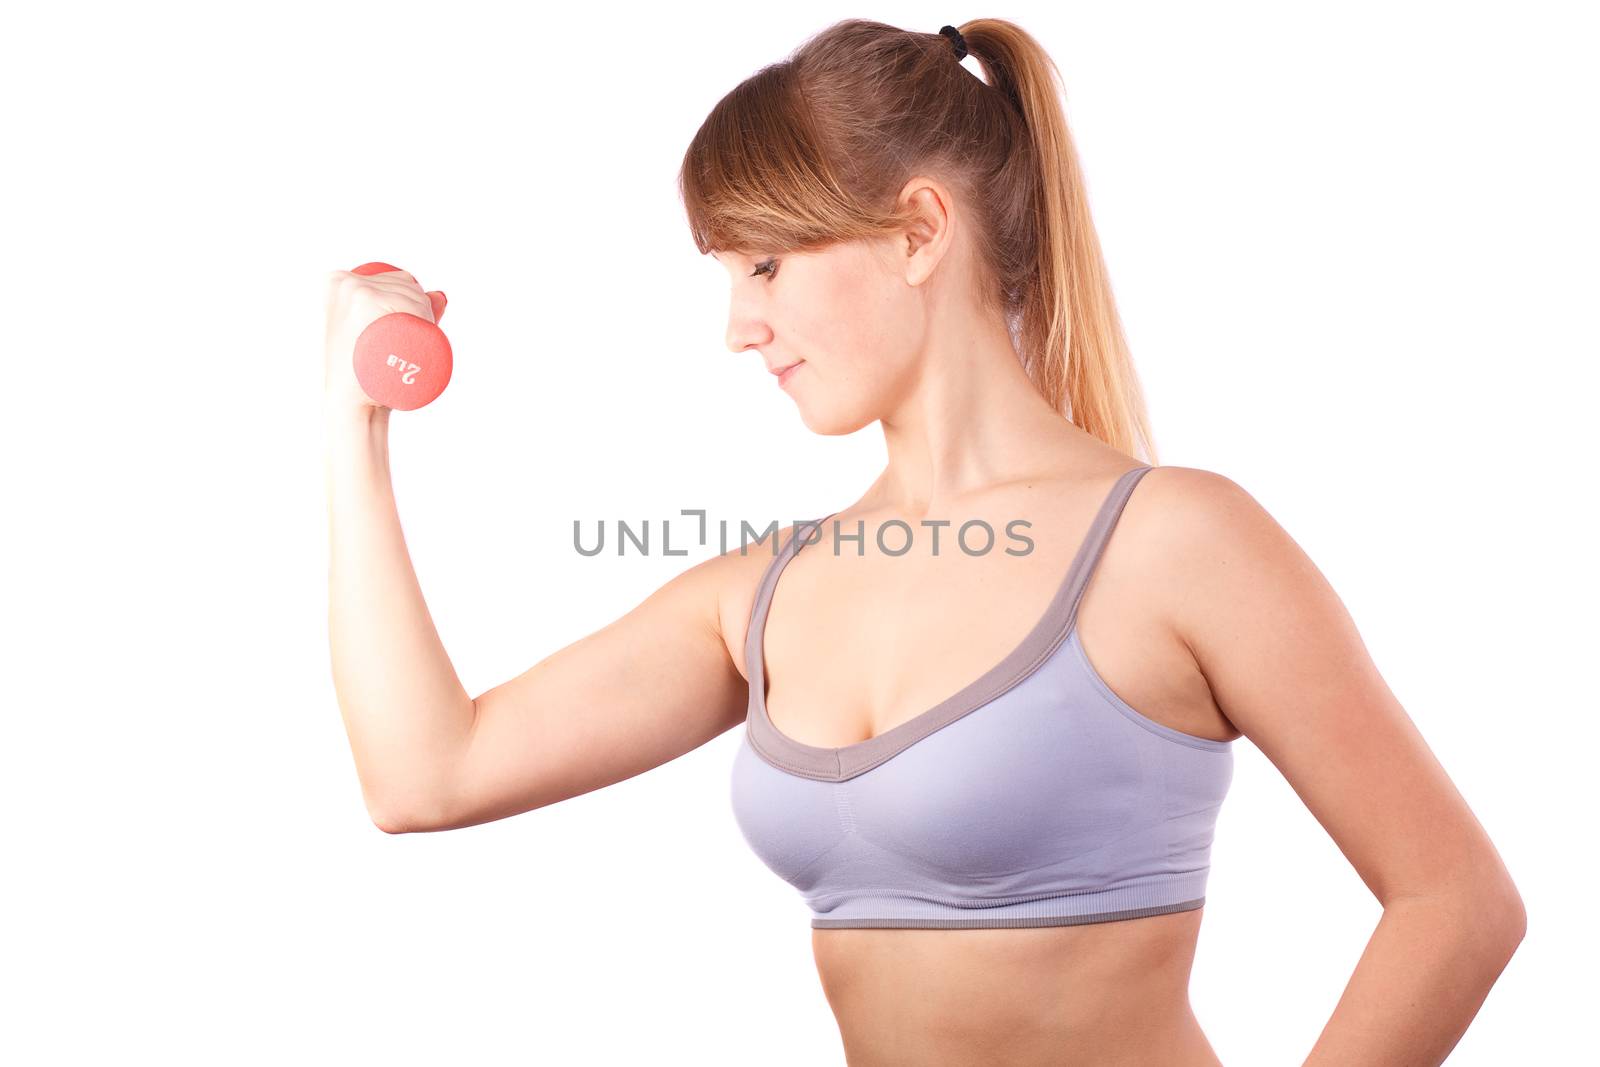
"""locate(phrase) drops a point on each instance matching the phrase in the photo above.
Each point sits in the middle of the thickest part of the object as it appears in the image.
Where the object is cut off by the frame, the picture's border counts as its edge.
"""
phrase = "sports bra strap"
(1094, 542)
(769, 582)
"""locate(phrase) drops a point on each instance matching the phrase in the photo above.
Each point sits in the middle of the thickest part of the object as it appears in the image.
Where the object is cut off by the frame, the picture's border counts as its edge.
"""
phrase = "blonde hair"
(815, 149)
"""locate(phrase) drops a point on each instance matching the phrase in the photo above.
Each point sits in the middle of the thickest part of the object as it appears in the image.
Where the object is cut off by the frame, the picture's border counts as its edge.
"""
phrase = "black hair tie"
(957, 40)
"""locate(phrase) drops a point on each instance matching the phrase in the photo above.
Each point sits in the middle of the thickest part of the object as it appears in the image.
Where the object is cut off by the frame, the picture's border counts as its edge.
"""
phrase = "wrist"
(363, 418)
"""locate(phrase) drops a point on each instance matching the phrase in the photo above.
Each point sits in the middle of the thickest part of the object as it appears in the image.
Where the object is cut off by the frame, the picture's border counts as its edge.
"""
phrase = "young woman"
(989, 705)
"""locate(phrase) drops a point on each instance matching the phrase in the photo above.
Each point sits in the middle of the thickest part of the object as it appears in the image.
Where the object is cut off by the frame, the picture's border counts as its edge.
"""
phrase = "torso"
(899, 634)
(1107, 994)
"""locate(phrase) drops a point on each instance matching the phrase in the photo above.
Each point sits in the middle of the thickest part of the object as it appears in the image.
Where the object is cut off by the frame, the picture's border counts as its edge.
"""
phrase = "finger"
(439, 301)
(337, 280)
(397, 286)
(397, 274)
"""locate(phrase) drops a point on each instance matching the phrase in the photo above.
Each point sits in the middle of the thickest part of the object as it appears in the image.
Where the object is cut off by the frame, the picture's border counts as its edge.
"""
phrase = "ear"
(928, 237)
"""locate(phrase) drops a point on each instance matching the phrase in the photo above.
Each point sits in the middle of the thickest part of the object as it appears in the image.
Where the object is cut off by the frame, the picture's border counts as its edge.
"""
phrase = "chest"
(856, 646)
(983, 792)
(1016, 790)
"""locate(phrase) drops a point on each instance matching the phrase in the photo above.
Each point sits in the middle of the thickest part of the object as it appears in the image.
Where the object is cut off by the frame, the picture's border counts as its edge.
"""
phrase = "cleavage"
(904, 634)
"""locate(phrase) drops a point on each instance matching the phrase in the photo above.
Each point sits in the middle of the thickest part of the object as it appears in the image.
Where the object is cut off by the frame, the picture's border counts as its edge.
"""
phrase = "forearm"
(404, 708)
(1425, 972)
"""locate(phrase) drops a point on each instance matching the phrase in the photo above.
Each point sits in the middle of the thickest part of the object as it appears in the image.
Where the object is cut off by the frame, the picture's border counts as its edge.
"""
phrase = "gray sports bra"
(1033, 797)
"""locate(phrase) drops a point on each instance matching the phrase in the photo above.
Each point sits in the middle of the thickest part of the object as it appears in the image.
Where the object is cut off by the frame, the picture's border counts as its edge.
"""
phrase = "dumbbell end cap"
(374, 268)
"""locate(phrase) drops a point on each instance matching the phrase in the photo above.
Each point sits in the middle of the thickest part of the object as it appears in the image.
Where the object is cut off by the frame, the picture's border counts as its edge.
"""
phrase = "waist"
(1104, 993)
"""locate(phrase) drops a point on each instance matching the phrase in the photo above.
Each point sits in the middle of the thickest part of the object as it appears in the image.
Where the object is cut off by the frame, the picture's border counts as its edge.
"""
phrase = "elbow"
(389, 824)
(1502, 921)
(1488, 919)
(1514, 917)
(396, 818)
(401, 804)
(393, 821)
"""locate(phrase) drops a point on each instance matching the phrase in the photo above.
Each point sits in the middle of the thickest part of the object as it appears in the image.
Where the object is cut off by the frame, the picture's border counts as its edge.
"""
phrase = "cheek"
(860, 330)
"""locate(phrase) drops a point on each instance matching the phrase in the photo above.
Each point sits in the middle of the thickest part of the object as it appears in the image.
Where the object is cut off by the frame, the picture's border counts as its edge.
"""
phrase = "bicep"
(1287, 666)
(639, 692)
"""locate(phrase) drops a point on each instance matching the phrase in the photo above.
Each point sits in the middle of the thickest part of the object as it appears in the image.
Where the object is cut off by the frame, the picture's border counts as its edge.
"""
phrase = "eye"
(766, 266)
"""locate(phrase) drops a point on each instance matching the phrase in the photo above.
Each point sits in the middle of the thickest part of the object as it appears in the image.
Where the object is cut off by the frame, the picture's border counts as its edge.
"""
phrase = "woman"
(998, 797)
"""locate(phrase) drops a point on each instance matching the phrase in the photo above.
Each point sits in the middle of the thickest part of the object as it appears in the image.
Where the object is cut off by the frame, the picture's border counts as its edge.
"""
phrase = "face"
(850, 316)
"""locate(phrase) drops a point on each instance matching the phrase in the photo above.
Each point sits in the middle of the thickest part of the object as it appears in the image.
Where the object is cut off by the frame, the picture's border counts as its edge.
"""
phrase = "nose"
(745, 330)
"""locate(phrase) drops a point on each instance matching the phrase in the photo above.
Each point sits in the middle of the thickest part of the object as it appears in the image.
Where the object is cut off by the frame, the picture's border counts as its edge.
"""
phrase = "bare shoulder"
(1190, 528)
(1260, 618)
(1213, 559)
(735, 576)
(1195, 506)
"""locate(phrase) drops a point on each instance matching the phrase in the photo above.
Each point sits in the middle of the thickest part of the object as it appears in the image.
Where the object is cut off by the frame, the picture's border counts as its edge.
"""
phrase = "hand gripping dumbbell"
(402, 361)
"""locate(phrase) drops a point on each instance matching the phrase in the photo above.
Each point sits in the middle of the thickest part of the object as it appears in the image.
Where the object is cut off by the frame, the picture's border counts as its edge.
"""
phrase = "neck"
(971, 420)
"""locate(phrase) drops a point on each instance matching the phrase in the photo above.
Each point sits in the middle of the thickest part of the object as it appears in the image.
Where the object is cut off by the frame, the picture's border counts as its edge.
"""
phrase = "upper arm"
(1287, 666)
(642, 690)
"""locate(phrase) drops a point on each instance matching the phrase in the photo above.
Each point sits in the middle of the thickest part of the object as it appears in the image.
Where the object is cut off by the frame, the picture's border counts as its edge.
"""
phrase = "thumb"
(439, 301)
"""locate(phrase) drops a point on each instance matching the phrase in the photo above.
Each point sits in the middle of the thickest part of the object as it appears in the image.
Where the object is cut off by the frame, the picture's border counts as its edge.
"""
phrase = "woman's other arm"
(1287, 667)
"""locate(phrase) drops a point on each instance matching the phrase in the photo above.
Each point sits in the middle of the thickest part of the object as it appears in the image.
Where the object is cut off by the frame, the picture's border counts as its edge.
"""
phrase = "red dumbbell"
(402, 361)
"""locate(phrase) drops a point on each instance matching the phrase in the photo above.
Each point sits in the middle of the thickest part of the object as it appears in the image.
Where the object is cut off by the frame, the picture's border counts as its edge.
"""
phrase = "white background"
(1354, 246)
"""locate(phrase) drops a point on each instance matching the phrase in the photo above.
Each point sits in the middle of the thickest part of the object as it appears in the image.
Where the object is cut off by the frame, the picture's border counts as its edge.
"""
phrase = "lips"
(786, 366)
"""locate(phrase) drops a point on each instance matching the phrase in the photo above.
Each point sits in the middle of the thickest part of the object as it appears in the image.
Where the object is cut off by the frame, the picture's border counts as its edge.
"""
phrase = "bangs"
(754, 178)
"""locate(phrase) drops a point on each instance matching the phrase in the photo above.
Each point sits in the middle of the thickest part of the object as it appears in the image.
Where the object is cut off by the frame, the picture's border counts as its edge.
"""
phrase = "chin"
(832, 424)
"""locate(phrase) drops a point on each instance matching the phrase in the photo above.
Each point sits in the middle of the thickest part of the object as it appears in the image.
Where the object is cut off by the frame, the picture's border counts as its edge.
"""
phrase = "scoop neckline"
(1056, 608)
(1041, 641)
